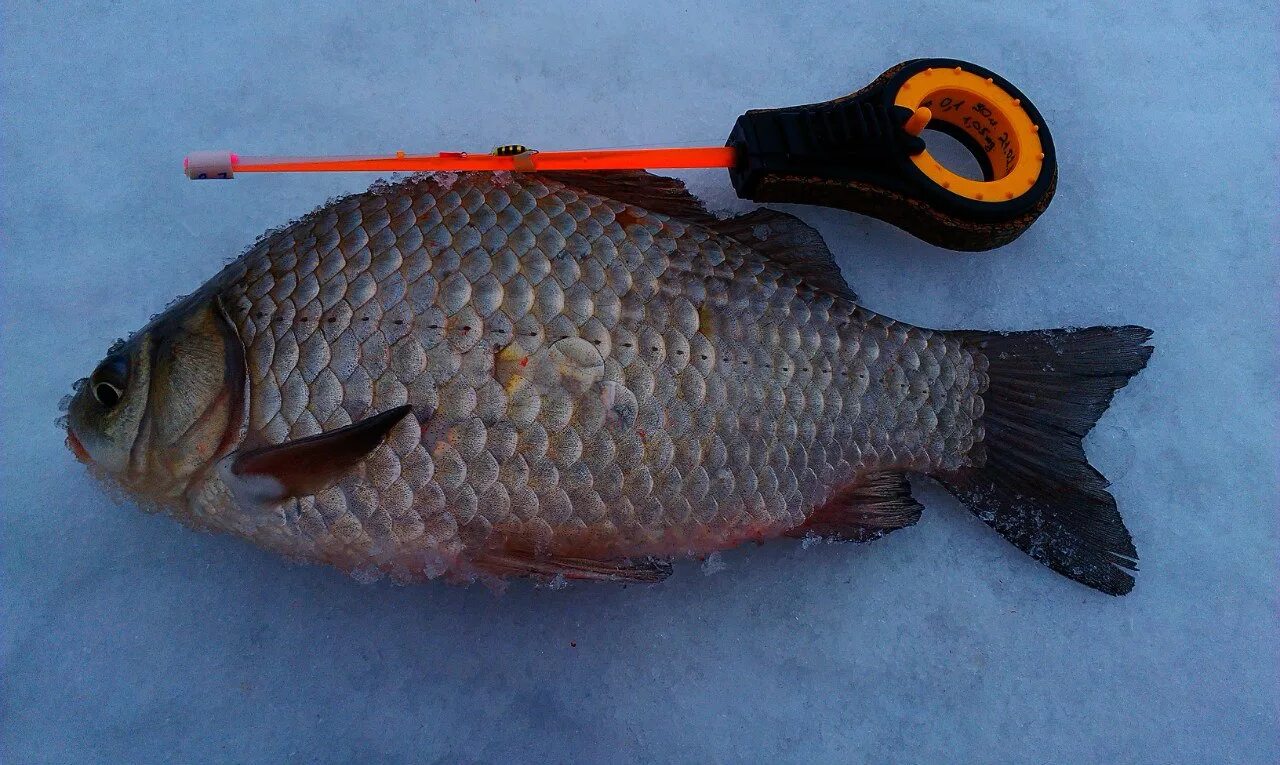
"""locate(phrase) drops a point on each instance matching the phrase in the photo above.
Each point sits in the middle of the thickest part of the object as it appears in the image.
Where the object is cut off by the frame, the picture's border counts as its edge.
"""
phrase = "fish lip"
(77, 448)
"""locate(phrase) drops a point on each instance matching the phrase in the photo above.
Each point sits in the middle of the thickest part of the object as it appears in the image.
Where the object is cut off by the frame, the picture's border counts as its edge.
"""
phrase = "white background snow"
(128, 638)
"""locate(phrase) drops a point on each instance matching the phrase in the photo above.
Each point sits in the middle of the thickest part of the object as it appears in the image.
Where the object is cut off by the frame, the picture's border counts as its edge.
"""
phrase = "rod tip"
(202, 165)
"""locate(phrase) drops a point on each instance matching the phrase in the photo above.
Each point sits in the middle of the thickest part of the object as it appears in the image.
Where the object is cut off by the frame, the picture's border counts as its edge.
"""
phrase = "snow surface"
(127, 638)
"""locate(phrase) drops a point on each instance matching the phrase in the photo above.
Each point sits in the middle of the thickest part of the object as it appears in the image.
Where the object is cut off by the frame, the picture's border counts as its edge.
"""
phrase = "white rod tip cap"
(201, 165)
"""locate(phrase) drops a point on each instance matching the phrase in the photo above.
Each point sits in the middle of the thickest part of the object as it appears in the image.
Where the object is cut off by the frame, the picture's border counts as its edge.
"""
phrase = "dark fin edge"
(1031, 481)
(864, 511)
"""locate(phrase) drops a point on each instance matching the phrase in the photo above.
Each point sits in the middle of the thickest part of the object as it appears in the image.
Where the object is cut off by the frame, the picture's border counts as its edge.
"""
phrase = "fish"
(586, 376)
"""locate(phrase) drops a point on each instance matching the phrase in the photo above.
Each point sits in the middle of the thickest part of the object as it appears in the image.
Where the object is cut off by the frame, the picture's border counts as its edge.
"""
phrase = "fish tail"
(1030, 479)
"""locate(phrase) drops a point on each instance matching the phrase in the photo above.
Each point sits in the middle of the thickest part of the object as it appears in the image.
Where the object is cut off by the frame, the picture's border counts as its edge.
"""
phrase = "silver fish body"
(591, 383)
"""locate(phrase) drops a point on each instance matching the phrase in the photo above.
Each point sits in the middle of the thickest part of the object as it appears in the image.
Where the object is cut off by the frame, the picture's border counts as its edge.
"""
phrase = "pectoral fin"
(308, 465)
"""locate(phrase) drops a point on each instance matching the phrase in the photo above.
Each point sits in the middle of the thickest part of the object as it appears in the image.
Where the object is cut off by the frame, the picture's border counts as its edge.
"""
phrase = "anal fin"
(521, 563)
(863, 511)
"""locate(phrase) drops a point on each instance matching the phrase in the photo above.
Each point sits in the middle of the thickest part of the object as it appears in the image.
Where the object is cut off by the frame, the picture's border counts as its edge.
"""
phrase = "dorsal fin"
(655, 193)
(790, 241)
(782, 238)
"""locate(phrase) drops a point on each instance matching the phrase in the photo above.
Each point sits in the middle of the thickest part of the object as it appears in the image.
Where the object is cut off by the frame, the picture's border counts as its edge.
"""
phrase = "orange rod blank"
(207, 164)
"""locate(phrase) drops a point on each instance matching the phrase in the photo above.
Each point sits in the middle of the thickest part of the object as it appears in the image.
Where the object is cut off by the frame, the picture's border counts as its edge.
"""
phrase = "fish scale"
(721, 397)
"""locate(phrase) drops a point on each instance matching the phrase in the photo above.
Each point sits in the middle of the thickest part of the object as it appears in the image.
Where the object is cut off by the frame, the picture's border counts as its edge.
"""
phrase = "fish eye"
(107, 394)
(109, 380)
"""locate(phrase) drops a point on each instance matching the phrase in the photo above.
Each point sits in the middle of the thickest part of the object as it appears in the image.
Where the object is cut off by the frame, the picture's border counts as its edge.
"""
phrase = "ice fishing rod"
(862, 153)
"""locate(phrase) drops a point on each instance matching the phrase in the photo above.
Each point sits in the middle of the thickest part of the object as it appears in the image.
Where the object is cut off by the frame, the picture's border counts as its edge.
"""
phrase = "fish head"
(162, 408)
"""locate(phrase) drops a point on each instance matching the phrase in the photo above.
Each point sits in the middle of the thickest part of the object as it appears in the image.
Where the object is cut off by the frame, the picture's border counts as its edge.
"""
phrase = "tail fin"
(1031, 481)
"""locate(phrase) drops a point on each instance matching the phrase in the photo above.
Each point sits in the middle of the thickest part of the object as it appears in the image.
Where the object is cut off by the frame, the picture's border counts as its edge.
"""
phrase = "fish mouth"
(64, 422)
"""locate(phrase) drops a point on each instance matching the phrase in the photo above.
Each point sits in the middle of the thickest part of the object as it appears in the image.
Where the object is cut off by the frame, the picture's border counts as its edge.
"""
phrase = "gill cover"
(196, 411)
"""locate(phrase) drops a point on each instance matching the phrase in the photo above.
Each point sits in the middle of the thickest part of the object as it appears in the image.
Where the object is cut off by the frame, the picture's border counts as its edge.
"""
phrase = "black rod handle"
(863, 153)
